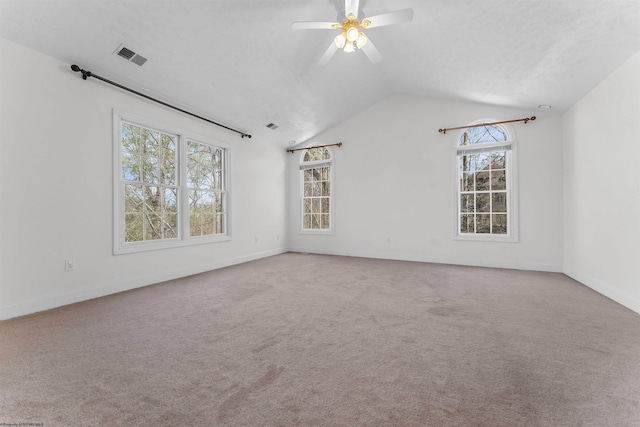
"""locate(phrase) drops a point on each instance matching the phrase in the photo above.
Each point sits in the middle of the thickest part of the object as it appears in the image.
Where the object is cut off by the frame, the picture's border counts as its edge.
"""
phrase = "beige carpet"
(311, 340)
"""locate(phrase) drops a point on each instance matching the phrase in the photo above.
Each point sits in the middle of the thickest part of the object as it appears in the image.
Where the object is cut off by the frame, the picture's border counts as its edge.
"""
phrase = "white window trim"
(183, 238)
(308, 165)
(512, 235)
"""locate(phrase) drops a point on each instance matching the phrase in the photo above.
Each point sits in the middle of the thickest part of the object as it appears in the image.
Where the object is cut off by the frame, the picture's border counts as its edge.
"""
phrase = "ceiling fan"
(352, 25)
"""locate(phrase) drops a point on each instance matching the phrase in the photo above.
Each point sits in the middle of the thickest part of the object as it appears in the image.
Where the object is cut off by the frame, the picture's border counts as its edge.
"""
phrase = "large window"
(316, 192)
(485, 183)
(171, 189)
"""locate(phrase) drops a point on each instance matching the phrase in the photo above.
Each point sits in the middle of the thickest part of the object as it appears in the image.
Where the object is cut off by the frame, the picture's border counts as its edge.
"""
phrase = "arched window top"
(488, 134)
(315, 154)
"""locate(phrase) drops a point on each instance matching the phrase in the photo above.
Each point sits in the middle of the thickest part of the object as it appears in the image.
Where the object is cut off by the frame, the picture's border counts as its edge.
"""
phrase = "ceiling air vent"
(272, 126)
(130, 55)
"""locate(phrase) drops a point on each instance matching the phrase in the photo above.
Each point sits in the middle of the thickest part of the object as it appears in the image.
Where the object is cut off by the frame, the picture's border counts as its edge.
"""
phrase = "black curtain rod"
(86, 74)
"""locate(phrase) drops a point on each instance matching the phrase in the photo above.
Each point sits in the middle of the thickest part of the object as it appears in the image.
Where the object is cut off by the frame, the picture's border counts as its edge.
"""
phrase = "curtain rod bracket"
(86, 74)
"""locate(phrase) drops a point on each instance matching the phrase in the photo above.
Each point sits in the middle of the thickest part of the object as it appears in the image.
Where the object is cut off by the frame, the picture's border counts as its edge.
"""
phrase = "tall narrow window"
(486, 185)
(316, 198)
(171, 190)
(150, 177)
(206, 188)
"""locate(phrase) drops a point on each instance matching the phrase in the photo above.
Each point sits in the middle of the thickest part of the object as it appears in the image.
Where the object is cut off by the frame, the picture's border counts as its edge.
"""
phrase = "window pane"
(133, 198)
(151, 145)
(467, 163)
(315, 221)
(152, 199)
(130, 167)
(195, 228)
(151, 170)
(325, 205)
(325, 221)
(467, 203)
(168, 147)
(498, 160)
(315, 205)
(483, 224)
(483, 202)
(308, 189)
(499, 224)
(306, 206)
(483, 135)
(208, 224)
(306, 221)
(169, 172)
(130, 138)
(467, 224)
(326, 188)
(194, 178)
(153, 226)
(170, 226)
(466, 182)
(499, 203)
(314, 154)
(482, 181)
(133, 228)
(483, 161)
(326, 173)
(498, 180)
(317, 189)
(171, 200)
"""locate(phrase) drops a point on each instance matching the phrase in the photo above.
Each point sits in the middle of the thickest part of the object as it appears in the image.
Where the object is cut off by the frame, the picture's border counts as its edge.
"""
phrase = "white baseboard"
(602, 288)
(34, 305)
(436, 260)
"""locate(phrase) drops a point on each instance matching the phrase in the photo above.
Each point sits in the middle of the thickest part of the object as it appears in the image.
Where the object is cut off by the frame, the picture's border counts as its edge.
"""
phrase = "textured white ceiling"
(240, 63)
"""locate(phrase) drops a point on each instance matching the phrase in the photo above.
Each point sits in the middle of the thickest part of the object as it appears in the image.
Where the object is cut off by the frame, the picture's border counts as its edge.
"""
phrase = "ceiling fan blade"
(351, 6)
(313, 25)
(404, 15)
(328, 54)
(372, 52)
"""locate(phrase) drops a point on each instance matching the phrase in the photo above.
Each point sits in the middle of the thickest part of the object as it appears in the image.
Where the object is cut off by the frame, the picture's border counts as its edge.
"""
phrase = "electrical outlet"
(69, 265)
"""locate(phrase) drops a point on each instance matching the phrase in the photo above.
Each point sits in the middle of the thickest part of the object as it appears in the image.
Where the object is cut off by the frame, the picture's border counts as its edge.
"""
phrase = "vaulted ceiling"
(240, 63)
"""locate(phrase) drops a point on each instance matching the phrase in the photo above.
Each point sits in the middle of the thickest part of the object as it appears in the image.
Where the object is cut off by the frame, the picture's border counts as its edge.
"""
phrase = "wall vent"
(130, 55)
(272, 126)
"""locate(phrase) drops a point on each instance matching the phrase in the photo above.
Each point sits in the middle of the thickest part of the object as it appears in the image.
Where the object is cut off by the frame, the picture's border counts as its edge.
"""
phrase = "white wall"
(602, 187)
(394, 187)
(56, 190)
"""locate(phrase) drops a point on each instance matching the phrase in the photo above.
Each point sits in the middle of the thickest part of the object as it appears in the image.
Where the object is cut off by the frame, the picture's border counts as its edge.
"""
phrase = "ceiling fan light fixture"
(340, 40)
(348, 47)
(352, 34)
(361, 40)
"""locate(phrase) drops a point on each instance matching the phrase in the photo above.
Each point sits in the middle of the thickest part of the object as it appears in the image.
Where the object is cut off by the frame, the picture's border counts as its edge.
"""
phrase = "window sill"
(317, 232)
(486, 238)
(130, 248)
